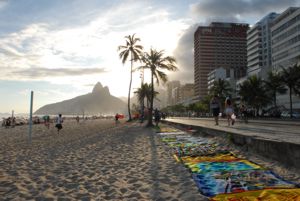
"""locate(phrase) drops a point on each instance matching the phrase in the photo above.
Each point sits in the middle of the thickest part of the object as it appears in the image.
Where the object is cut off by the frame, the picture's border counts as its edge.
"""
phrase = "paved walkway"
(282, 131)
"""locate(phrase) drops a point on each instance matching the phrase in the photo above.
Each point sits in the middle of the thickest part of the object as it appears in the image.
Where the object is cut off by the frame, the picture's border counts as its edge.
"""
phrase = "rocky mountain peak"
(97, 88)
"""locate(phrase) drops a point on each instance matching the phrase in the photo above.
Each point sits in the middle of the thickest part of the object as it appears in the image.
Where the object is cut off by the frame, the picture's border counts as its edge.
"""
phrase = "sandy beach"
(92, 160)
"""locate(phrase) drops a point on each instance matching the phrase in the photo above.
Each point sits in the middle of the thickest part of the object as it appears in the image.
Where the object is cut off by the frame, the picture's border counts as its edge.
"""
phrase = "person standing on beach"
(59, 122)
(229, 111)
(156, 116)
(117, 118)
(47, 121)
(215, 108)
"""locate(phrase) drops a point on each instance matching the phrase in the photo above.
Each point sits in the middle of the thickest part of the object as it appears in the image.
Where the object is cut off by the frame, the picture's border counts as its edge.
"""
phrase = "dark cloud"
(57, 72)
(184, 56)
(233, 10)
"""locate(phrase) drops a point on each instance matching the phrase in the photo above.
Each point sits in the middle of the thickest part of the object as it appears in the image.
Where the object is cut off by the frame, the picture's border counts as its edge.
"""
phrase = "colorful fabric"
(189, 160)
(171, 133)
(214, 183)
(261, 195)
(169, 139)
(205, 167)
(203, 150)
(168, 129)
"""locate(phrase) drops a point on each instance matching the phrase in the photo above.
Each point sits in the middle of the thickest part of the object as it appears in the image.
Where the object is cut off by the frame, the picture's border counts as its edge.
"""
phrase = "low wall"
(286, 153)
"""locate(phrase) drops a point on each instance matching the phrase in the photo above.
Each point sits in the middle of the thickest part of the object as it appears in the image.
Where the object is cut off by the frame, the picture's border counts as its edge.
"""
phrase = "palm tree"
(253, 92)
(291, 77)
(155, 61)
(145, 92)
(134, 50)
(221, 88)
(274, 85)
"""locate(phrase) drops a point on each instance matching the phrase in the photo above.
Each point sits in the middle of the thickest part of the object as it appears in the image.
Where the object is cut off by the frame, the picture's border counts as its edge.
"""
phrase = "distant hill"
(100, 101)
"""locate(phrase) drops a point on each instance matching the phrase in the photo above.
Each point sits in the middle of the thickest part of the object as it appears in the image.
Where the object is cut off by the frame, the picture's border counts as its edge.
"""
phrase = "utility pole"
(142, 103)
(30, 116)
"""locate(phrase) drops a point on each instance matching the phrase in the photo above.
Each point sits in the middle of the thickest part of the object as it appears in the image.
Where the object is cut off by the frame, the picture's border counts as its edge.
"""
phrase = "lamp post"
(142, 103)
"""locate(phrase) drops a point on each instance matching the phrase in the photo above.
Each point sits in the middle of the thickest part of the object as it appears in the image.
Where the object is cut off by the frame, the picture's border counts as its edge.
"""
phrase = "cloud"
(184, 55)
(57, 72)
(236, 10)
(3, 3)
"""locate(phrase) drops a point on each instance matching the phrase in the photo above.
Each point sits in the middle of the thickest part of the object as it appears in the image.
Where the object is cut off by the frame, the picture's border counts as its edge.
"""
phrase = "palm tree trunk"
(151, 102)
(129, 113)
(291, 102)
(275, 102)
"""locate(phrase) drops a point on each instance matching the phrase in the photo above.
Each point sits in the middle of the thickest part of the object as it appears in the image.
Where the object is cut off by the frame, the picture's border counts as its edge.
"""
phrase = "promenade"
(275, 139)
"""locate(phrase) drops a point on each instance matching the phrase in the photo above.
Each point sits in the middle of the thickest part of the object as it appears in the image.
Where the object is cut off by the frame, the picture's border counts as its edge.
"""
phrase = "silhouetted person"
(117, 118)
(243, 111)
(59, 122)
(156, 116)
(215, 108)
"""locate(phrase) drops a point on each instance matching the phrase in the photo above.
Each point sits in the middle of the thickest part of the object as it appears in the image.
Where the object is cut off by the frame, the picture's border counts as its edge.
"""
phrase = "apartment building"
(219, 45)
(286, 45)
(259, 59)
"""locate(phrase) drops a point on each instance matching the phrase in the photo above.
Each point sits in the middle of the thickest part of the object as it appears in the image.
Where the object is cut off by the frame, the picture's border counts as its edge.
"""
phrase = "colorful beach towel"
(201, 150)
(214, 183)
(205, 167)
(190, 160)
(261, 195)
(168, 129)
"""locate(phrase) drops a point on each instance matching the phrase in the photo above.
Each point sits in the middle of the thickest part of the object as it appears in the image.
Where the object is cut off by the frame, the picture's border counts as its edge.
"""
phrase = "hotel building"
(219, 45)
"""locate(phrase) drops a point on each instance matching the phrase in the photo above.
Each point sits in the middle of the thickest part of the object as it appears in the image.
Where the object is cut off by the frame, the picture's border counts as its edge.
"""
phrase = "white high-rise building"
(286, 45)
(259, 60)
(286, 38)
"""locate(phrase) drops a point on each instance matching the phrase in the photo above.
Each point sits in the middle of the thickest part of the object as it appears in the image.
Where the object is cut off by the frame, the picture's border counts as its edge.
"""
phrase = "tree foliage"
(253, 93)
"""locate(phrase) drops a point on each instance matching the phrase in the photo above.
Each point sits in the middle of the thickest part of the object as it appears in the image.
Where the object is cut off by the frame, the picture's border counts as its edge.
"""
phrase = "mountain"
(100, 101)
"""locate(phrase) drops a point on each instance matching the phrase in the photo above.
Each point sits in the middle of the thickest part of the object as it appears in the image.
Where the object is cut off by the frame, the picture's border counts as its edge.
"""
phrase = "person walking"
(156, 116)
(46, 119)
(59, 121)
(229, 111)
(244, 115)
(215, 108)
(117, 118)
(77, 119)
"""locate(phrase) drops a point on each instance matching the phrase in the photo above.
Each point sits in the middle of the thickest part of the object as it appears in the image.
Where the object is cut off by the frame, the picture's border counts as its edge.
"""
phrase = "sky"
(61, 49)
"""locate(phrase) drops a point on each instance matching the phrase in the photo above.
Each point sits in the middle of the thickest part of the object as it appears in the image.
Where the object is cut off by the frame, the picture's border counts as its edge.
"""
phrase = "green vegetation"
(253, 93)
(291, 78)
(274, 85)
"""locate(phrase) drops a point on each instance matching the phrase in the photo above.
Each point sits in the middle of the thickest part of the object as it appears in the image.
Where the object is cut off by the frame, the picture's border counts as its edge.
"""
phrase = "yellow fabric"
(176, 158)
(167, 129)
(199, 159)
(261, 195)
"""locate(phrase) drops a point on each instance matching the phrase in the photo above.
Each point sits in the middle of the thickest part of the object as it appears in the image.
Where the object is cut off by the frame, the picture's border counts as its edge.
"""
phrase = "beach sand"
(92, 160)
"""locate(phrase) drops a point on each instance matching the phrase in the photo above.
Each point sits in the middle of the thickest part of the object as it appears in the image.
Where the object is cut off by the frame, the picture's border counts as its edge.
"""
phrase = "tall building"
(286, 45)
(286, 38)
(259, 59)
(186, 92)
(223, 74)
(219, 45)
(170, 91)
